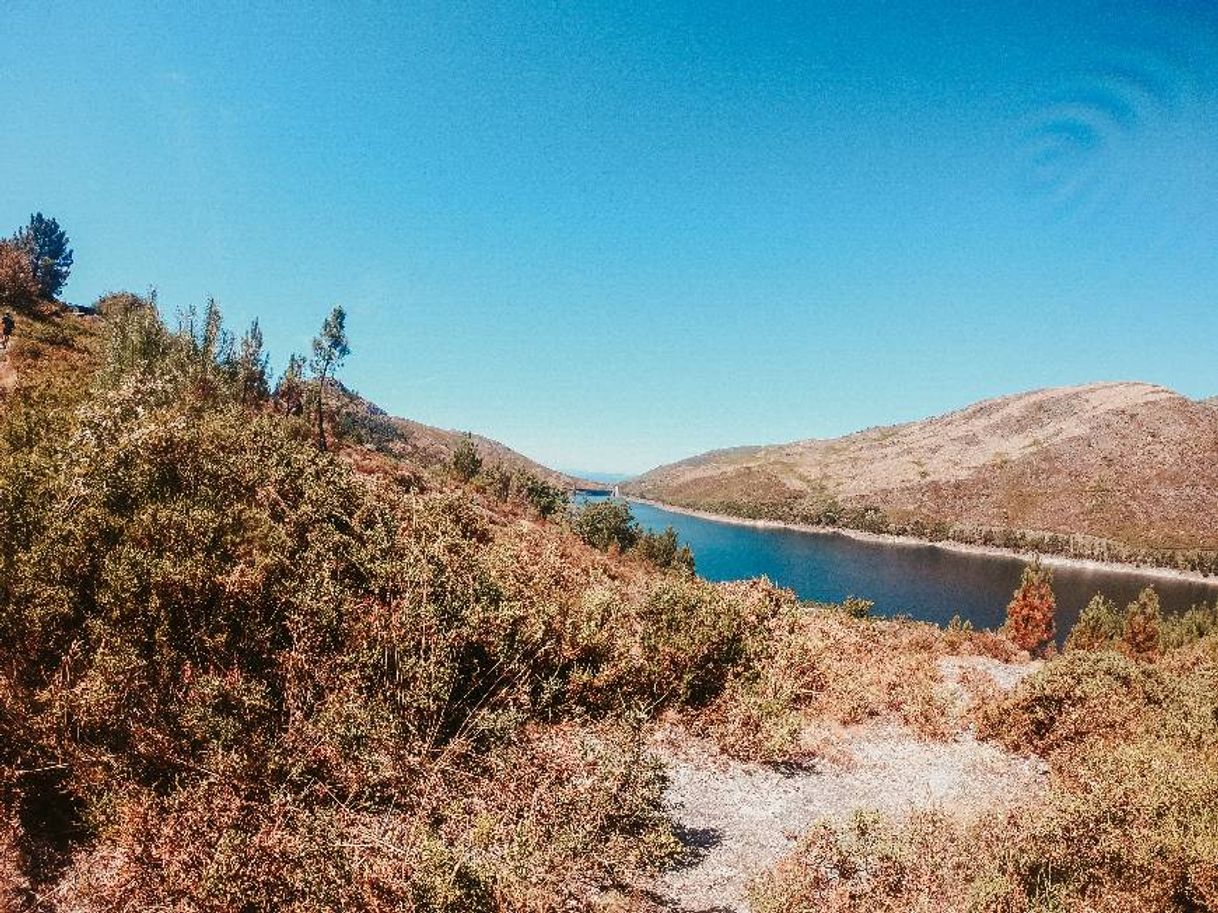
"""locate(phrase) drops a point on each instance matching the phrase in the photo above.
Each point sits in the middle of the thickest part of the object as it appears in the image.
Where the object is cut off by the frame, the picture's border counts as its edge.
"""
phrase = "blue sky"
(614, 235)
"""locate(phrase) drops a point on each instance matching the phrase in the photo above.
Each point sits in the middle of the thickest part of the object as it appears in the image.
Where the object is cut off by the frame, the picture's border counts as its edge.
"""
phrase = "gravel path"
(739, 819)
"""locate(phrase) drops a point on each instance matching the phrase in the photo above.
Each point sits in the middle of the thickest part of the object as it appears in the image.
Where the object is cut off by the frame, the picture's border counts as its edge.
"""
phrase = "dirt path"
(8, 377)
(739, 819)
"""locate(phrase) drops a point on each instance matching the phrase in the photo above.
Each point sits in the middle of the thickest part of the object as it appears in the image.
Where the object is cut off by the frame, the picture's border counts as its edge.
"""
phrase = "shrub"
(664, 551)
(466, 463)
(1142, 619)
(1099, 624)
(606, 524)
(18, 286)
(1030, 615)
(857, 608)
(1137, 630)
(548, 500)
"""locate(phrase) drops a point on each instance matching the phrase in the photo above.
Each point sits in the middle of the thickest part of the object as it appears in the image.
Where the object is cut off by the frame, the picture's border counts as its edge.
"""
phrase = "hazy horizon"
(614, 239)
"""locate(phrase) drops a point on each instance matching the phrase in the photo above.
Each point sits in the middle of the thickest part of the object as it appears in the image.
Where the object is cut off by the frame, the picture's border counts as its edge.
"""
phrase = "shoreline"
(990, 551)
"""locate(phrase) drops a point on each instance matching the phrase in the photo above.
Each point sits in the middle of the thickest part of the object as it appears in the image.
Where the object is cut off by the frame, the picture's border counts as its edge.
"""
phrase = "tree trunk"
(321, 398)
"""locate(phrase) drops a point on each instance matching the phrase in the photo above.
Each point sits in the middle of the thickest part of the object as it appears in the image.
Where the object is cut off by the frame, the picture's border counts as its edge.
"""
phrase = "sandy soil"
(739, 819)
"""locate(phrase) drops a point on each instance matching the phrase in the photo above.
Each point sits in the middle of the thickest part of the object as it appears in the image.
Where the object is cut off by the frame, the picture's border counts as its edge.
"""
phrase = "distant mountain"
(1131, 463)
(428, 446)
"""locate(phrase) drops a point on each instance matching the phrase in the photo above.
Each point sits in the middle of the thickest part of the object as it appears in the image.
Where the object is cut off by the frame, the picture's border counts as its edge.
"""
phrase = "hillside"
(239, 671)
(1130, 463)
(428, 446)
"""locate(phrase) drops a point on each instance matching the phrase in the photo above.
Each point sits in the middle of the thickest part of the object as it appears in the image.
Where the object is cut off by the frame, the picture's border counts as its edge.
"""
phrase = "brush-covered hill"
(427, 446)
(245, 667)
(1130, 463)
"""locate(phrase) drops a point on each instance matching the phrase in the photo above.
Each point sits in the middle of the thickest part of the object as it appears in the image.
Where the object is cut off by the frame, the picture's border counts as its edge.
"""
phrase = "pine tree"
(46, 245)
(252, 366)
(1030, 615)
(466, 461)
(330, 349)
(289, 392)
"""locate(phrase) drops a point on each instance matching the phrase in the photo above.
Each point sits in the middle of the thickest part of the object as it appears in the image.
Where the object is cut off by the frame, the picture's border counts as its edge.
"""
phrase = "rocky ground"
(739, 819)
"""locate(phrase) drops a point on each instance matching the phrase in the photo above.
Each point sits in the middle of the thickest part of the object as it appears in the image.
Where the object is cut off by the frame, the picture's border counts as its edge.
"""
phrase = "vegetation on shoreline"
(871, 519)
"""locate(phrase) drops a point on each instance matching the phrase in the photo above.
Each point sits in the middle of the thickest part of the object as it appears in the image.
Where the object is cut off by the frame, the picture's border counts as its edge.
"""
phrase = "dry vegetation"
(1130, 822)
(1117, 471)
(240, 673)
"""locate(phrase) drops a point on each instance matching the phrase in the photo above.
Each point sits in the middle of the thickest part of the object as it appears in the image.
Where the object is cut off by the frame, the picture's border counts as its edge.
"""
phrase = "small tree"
(330, 349)
(664, 550)
(289, 392)
(252, 366)
(18, 287)
(543, 497)
(50, 257)
(1142, 620)
(466, 462)
(1030, 615)
(1099, 625)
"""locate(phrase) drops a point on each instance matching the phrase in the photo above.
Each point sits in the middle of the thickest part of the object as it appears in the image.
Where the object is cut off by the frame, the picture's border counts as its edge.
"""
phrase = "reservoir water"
(923, 581)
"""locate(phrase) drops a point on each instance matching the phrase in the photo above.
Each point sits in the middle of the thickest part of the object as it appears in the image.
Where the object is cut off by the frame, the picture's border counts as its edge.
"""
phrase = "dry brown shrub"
(1030, 616)
(822, 664)
(18, 287)
(14, 885)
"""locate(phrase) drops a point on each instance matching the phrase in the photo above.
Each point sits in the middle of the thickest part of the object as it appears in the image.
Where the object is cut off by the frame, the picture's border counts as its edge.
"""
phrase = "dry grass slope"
(1130, 463)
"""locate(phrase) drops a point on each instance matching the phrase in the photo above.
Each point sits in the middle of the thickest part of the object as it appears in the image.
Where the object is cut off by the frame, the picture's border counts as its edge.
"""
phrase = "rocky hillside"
(1132, 463)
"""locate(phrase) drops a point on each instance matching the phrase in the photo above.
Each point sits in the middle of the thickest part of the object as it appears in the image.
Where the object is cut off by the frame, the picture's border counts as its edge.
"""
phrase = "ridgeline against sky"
(614, 238)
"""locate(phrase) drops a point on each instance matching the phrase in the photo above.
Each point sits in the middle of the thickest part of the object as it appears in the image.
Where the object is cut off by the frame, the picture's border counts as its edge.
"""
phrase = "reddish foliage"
(18, 288)
(1030, 613)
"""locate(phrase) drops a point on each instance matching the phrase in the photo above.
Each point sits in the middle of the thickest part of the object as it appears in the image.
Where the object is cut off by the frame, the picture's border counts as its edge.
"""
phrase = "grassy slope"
(1128, 463)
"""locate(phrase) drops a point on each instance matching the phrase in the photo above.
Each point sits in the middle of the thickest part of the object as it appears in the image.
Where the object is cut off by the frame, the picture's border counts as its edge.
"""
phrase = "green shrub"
(606, 524)
(466, 463)
(664, 551)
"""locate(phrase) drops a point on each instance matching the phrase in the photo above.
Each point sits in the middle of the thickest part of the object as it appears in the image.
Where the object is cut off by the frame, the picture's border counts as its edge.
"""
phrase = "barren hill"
(1132, 463)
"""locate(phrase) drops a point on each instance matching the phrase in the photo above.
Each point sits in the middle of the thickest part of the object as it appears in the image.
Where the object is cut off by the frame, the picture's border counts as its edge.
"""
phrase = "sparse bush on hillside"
(236, 675)
(115, 305)
(1030, 615)
(18, 287)
(1129, 820)
(466, 463)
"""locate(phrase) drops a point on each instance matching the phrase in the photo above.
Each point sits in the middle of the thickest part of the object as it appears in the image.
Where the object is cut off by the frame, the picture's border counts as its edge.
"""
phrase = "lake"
(923, 581)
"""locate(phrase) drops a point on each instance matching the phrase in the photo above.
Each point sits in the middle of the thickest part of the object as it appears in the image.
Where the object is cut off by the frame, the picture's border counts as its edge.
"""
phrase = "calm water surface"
(923, 581)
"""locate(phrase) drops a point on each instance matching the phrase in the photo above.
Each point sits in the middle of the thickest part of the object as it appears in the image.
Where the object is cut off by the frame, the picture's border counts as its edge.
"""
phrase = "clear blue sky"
(612, 236)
